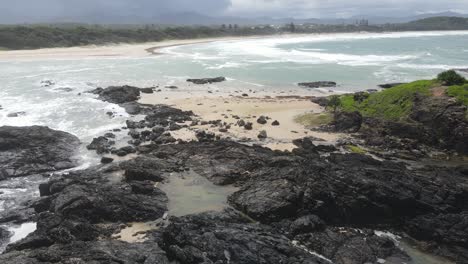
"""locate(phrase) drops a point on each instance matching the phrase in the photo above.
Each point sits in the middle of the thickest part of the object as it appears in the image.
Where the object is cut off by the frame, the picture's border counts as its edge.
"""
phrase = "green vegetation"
(334, 103)
(67, 35)
(41, 36)
(451, 78)
(355, 149)
(313, 119)
(460, 92)
(390, 104)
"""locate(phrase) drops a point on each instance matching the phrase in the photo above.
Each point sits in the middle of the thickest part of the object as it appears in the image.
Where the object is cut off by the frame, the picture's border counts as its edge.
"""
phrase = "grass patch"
(460, 92)
(355, 149)
(313, 119)
(391, 104)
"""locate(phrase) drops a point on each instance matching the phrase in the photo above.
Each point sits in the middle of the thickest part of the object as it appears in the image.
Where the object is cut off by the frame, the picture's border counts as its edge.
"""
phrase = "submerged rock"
(207, 80)
(31, 150)
(390, 85)
(318, 84)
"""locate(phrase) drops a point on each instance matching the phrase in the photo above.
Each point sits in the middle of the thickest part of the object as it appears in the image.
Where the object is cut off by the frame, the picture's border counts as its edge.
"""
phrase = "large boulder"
(347, 122)
(118, 94)
(31, 150)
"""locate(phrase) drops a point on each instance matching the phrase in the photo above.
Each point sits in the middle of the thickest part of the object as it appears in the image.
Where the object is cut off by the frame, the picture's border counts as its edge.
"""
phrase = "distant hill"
(438, 23)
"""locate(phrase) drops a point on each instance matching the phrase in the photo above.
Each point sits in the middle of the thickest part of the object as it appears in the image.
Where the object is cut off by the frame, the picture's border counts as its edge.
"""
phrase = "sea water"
(356, 61)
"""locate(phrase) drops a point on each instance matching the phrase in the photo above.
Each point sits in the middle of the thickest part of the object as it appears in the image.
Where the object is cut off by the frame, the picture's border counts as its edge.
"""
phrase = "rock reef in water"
(31, 150)
(207, 80)
(317, 84)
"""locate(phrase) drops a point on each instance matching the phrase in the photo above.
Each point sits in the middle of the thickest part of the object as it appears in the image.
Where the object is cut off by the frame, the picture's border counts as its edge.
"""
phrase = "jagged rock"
(79, 252)
(207, 80)
(106, 160)
(118, 94)
(227, 237)
(351, 246)
(347, 122)
(31, 150)
(275, 123)
(101, 145)
(248, 126)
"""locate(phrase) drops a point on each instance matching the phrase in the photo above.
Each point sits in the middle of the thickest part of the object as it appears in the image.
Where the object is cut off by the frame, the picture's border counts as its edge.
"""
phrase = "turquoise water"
(356, 61)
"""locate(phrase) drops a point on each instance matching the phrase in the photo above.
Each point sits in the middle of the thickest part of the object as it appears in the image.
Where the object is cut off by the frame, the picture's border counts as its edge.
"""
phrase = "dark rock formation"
(262, 134)
(390, 85)
(347, 122)
(318, 84)
(207, 80)
(118, 94)
(31, 150)
(79, 252)
(262, 120)
(228, 237)
(322, 101)
(101, 145)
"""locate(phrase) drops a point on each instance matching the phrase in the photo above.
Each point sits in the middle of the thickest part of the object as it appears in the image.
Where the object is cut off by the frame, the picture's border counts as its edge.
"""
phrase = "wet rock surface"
(290, 207)
(207, 80)
(317, 84)
(31, 150)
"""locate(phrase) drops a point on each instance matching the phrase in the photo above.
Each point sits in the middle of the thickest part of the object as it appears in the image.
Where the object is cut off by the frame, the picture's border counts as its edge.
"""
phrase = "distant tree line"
(68, 35)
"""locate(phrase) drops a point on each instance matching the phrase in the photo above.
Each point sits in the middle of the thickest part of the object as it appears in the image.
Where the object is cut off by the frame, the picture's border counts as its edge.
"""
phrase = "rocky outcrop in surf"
(207, 80)
(321, 84)
(31, 150)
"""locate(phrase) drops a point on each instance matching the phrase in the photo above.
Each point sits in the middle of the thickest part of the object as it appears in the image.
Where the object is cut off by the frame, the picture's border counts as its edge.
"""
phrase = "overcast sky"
(24, 10)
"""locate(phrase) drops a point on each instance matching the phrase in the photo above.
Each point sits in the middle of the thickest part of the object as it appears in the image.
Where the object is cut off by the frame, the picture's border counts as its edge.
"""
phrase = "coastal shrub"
(451, 78)
(313, 119)
(460, 92)
(334, 103)
(391, 104)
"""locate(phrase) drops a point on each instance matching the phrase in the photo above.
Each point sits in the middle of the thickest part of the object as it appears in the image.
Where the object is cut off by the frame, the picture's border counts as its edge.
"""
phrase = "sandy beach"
(231, 109)
(113, 51)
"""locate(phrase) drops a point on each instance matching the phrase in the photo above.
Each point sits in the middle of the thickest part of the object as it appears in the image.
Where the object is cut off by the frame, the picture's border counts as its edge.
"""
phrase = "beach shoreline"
(120, 50)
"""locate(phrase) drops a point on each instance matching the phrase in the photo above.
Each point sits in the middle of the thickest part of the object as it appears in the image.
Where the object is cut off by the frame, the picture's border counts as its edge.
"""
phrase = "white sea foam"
(430, 66)
(22, 231)
(226, 65)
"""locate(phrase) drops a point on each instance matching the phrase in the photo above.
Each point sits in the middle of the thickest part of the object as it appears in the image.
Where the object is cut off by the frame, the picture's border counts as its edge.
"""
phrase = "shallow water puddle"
(134, 233)
(420, 257)
(417, 256)
(190, 193)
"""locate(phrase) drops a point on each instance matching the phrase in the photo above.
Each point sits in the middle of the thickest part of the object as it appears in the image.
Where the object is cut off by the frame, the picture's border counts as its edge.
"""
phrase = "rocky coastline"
(313, 204)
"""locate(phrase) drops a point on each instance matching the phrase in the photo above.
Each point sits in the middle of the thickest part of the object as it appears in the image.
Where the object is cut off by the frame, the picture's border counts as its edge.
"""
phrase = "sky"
(27, 10)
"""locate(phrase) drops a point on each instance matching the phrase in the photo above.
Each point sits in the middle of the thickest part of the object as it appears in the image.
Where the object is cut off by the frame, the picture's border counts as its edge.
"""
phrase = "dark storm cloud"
(25, 10)
(93, 10)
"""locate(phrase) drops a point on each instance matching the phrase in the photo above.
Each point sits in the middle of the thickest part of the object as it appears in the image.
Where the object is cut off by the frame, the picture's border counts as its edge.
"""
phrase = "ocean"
(51, 92)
